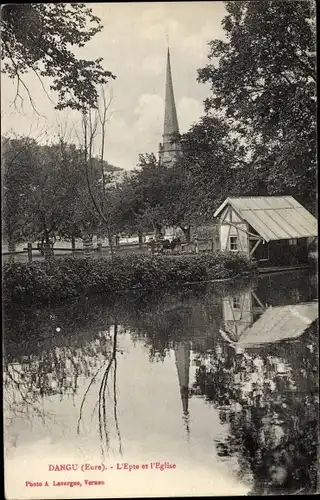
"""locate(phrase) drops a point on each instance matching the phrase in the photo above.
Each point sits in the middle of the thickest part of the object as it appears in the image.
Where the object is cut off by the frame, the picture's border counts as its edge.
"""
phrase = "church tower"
(169, 151)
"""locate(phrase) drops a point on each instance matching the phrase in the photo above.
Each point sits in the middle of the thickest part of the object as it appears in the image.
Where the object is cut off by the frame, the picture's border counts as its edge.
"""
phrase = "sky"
(133, 44)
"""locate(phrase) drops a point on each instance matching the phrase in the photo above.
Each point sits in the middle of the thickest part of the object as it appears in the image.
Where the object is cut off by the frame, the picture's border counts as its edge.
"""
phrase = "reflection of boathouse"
(248, 322)
(275, 230)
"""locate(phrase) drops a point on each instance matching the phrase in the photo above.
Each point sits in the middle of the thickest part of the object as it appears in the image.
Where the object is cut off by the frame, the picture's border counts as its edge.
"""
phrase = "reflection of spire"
(187, 426)
(182, 355)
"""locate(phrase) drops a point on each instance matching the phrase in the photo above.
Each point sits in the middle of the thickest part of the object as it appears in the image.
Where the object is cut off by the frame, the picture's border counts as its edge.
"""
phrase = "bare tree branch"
(89, 127)
(43, 87)
(19, 80)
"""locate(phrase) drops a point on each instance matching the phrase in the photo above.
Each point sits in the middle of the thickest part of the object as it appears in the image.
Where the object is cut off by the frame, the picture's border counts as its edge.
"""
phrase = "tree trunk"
(11, 248)
(73, 244)
(99, 249)
(152, 246)
(187, 232)
(140, 236)
(158, 232)
(88, 246)
(47, 249)
(29, 245)
(110, 242)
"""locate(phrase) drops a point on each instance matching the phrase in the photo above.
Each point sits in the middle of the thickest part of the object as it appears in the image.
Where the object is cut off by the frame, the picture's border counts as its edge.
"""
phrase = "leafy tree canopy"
(40, 37)
(212, 164)
(266, 71)
(45, 193)
(264, 85)
(144, 195)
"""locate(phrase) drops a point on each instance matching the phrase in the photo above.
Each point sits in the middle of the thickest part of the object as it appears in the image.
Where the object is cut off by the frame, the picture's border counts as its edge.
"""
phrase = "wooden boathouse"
(275, 230)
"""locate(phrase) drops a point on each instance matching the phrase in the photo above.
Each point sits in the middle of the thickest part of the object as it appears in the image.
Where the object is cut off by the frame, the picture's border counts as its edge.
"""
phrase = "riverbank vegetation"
(256, 136)
(69, 277)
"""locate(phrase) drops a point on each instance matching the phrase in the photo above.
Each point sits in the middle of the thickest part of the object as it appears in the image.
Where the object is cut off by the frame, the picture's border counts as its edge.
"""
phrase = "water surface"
(219, 382)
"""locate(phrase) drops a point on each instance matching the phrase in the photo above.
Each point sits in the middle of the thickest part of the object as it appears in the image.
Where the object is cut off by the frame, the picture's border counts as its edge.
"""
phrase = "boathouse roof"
(274, 217)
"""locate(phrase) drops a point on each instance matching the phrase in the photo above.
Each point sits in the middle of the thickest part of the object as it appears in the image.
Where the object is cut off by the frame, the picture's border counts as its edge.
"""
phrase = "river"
(210, 390)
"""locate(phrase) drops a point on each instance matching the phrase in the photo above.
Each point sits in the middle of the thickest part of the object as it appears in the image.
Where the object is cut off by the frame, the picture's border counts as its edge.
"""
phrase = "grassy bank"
(69, 277)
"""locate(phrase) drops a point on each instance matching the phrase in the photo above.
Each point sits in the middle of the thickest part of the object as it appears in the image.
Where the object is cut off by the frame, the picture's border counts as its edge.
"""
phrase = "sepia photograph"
(159, 249)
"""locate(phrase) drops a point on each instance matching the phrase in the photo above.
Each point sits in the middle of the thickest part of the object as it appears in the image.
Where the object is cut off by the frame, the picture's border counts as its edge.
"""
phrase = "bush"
(69, 277)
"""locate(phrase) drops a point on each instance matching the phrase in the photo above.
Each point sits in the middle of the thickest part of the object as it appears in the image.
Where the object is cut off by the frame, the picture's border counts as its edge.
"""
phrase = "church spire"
(169, 150)
(171, 126)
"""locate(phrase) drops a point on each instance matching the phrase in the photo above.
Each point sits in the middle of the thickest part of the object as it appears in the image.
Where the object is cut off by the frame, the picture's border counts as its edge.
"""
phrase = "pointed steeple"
(169, 150)
(171, 126)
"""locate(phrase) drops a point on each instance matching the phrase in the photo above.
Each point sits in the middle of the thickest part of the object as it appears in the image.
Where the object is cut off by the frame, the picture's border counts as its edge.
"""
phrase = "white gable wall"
(232, 225)
(224, 236)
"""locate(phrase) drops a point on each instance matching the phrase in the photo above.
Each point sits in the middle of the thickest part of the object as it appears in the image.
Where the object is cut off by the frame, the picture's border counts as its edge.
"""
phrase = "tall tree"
(17, 157)
(79, 217)
(212, 165)
(51, 187)
(94, 123)
(45, 191)
(144, 195)
(38, 37)
(264, 83)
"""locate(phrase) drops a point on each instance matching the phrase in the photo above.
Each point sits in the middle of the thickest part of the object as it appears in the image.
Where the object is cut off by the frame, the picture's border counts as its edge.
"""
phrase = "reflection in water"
(110, 363)
(269, 400)
(250, 352)
(30, 377)
(263, 378)
(247, 322)
(182, 355)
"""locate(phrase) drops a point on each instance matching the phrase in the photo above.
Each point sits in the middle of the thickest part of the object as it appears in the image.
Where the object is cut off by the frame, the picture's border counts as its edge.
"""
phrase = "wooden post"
(11, 248)
(254, 247)
(99, 249)
(227, 240)
(73, 244)
(140, 236)
(29, 245)
(196, 245)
